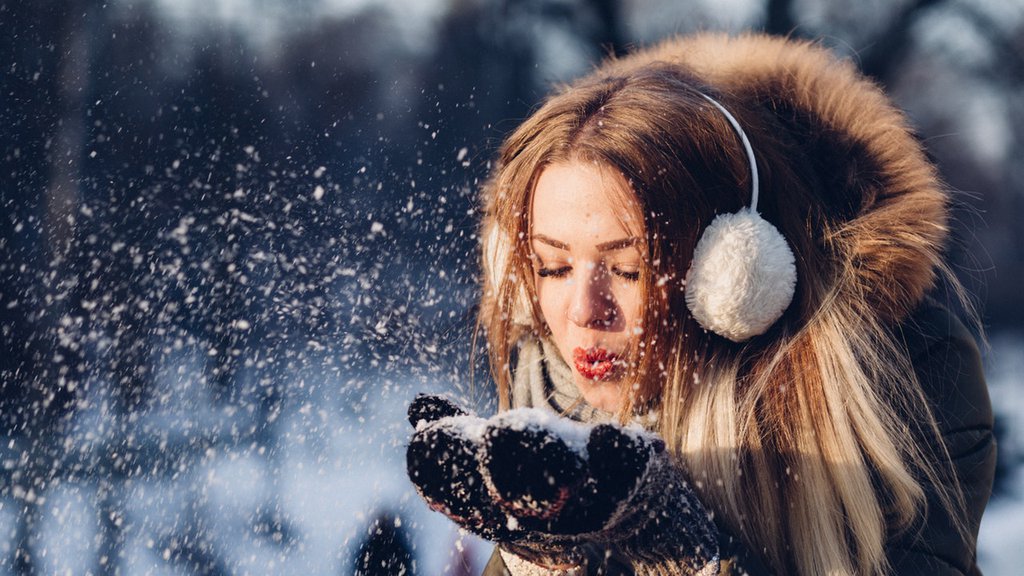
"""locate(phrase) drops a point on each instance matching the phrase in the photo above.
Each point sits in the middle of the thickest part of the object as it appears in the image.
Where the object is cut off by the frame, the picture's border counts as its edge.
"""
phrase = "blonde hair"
(807, 440)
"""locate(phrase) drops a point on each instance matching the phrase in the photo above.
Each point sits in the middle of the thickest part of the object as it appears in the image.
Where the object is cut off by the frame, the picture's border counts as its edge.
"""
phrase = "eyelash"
(631, 276)
(564, 270)
(553, 272)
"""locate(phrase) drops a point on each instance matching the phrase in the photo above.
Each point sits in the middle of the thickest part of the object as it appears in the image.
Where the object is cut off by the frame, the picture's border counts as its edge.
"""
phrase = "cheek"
(552, 302)
(630, 301)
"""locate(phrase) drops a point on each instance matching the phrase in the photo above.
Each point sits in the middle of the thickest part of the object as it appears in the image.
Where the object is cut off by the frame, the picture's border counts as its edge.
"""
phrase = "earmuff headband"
(746, 146)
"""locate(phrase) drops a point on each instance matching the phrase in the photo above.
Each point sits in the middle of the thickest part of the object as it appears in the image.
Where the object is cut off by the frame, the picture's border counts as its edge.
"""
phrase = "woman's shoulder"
(947, 361)
(932, 322)
(948, 365)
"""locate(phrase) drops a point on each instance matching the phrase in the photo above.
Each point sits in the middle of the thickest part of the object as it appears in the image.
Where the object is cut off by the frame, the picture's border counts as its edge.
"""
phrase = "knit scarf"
(543, 379)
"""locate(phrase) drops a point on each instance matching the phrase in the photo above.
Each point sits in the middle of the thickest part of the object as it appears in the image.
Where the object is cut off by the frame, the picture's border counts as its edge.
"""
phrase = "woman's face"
(587, 260)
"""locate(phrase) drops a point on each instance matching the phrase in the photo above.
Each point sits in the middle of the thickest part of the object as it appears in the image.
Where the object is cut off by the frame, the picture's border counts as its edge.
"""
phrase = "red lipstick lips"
(594, 363)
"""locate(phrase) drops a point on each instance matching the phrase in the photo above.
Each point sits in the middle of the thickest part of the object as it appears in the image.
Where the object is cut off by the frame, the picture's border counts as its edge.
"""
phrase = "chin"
(601, 394)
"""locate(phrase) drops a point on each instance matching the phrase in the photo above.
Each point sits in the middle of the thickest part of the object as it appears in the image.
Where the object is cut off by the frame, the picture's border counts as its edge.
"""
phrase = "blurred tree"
(385, 550)
(885, 54)
(47, 50)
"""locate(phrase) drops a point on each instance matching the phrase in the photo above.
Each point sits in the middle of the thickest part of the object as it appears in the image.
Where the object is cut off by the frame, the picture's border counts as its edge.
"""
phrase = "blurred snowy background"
(237, 237)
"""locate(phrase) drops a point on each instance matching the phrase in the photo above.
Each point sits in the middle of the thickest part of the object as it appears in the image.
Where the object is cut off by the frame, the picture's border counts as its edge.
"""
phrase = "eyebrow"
(609, 246)
(618, 244)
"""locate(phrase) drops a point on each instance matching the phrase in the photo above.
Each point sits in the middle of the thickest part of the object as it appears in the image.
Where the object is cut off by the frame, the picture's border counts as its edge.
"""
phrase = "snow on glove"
(542, 486)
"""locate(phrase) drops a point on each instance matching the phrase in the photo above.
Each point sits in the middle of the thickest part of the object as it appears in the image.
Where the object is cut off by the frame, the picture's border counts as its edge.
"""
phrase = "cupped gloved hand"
(543, 486)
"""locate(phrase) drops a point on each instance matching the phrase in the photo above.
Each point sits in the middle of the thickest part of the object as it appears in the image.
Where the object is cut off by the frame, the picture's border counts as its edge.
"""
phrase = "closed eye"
(631, 275)
(553, 272)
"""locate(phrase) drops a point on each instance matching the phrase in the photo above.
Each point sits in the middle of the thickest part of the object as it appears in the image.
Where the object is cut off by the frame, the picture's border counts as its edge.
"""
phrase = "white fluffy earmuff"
(743, 274)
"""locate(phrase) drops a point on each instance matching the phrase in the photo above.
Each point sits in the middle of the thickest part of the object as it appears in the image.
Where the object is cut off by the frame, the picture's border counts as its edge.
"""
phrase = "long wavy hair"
(805, 440)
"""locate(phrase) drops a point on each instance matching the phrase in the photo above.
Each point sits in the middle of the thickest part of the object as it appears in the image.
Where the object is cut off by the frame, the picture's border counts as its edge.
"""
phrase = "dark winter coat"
(948, 366)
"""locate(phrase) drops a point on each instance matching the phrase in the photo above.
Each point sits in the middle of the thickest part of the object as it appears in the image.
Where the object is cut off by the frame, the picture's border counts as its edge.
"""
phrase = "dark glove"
(543, 486)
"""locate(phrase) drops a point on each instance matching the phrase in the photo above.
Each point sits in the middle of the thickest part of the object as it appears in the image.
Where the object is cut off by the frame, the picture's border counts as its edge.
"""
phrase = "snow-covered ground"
(289, 491)
(1001, 540)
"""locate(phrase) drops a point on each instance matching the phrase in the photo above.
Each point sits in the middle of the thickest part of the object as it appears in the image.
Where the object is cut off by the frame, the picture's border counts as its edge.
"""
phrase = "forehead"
(584, 200)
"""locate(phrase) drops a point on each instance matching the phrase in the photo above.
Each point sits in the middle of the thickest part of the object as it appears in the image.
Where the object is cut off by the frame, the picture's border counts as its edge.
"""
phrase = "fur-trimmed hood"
(890, 220)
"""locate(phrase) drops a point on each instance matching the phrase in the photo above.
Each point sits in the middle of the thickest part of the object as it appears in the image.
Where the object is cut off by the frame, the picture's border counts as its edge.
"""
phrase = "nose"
(592, 304)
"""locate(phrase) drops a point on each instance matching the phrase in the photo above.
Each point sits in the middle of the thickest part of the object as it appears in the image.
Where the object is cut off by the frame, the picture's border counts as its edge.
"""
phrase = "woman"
(813, 397)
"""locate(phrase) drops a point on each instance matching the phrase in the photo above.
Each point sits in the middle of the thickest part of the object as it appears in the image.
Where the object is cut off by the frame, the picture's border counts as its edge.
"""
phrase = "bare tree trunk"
(609, 34)
(778, 18)
(62, 194)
